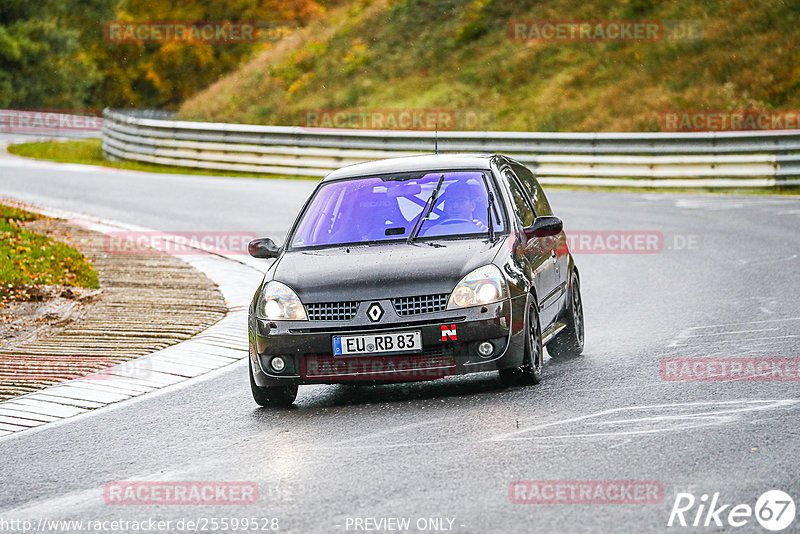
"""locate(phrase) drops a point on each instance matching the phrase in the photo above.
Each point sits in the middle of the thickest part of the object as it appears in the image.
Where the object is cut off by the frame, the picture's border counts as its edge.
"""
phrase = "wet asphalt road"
(724, 285)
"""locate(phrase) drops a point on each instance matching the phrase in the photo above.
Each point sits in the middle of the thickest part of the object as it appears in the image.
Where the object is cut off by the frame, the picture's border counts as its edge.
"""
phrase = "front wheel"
(271, 396)
(530, 372)
(569, 342)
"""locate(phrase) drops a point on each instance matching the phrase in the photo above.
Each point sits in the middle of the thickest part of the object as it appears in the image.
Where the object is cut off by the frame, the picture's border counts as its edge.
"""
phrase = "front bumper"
(307, 346)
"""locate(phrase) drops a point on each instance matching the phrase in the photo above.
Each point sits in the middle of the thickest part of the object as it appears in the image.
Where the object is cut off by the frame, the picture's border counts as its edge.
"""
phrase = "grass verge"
(90, 152)
(28, 258)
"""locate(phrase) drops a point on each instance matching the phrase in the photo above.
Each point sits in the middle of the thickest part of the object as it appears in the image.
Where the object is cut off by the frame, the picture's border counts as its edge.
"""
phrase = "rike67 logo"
(774, 510)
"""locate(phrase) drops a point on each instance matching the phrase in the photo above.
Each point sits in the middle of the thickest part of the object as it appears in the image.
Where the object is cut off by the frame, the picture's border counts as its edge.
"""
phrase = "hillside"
(459, 55)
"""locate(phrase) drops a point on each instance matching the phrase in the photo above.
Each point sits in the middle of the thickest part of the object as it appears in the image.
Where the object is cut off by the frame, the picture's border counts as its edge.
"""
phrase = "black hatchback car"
(415, 268)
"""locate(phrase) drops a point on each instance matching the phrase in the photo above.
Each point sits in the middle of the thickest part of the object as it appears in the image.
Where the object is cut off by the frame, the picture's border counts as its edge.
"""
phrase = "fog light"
(277, 363)
(485, 349)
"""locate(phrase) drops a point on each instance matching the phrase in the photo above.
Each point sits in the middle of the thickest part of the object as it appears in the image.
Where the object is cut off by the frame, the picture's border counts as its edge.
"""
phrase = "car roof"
(427, 162)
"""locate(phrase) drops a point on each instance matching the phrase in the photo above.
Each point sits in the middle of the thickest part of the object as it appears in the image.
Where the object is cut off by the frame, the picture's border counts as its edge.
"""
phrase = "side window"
(522, 207)
(535, 192)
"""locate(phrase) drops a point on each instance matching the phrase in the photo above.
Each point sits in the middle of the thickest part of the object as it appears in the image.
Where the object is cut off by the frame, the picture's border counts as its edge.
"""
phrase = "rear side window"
(535, 191)
(522, 207)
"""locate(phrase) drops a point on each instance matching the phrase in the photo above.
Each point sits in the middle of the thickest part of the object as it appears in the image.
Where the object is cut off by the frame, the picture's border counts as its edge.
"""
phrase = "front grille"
(368, 328)
(332, 311)
(405, 306)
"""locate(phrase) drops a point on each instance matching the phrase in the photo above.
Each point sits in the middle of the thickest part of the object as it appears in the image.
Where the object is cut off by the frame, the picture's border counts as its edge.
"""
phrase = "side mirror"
(263, 248)
(544, 226)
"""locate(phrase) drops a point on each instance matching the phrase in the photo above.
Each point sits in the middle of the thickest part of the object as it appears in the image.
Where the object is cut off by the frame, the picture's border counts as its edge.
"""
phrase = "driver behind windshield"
(460, 200)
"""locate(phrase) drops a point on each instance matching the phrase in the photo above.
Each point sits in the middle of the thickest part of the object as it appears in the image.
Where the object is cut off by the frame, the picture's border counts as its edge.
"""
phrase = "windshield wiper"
(426, 210)
(490, 208)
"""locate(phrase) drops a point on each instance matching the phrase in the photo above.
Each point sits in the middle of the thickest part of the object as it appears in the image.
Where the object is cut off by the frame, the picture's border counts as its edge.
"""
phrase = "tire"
(271, 396)
(530, 372)
(569, 342)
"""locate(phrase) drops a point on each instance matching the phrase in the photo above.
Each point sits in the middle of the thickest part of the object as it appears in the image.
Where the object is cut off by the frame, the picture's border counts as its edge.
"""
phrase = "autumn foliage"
(53, 52)
(30, 259)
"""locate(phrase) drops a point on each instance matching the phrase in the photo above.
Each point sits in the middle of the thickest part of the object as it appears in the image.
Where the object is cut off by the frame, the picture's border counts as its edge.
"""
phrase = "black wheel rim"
(534, 345)
(577, 311)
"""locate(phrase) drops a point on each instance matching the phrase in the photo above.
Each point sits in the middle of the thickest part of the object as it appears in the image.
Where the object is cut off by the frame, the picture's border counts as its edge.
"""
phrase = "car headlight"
(484, 285)
(278, 302)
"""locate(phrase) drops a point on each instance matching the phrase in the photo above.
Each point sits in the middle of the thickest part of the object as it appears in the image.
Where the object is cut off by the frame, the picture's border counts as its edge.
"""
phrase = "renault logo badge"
(374, 312)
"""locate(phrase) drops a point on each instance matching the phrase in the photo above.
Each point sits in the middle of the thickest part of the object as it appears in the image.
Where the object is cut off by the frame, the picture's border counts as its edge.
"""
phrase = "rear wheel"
(271, 396)
(569, 342)
(530, 372)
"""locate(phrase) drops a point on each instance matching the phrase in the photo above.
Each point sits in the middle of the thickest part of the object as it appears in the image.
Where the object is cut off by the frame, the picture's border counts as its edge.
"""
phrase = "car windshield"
(386, 208)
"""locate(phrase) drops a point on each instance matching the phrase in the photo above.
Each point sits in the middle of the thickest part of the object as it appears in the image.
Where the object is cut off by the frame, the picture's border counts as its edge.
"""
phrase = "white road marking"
(688, 332)
(731, 332)
(12, 427)
(72, 392)
(29, 404)
(768, 341)
(72, 402)
(715, 203)
(762, 321)
(721, 416)
(5, 410)
(21, 421)
(765, 261)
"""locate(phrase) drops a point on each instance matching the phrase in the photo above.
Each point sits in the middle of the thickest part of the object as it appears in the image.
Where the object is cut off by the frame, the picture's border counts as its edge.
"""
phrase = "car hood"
(382, 271)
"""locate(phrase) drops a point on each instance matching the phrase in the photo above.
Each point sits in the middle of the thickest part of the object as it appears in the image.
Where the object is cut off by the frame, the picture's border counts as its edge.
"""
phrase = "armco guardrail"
(698, 159)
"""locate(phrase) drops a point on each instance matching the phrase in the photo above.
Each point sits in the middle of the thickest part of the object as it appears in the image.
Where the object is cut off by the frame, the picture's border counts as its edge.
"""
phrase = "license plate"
(378, 343)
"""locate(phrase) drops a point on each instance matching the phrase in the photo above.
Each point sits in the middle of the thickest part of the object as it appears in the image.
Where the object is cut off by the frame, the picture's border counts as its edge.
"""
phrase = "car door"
(542, 262)
(542, 207)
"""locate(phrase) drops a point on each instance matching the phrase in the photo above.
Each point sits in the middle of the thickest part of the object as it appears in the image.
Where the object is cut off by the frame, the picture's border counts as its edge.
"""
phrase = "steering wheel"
(455, 221)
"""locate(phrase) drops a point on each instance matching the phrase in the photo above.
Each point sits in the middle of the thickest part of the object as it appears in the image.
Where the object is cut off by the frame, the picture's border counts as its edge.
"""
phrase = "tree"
(42, 64)
(53, 53)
